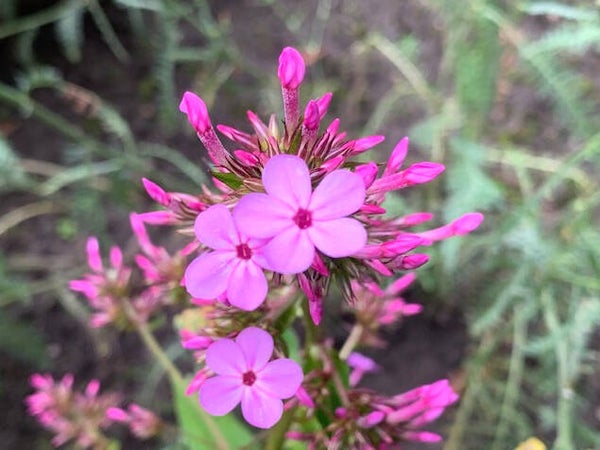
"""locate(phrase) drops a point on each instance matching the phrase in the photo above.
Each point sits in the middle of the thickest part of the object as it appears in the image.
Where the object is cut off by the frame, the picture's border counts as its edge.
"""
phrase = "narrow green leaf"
(229, 179)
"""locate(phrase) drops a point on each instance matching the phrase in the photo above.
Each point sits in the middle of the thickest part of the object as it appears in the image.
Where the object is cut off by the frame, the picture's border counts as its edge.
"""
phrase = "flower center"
(243, 251)
(303, 219)
(249, 378)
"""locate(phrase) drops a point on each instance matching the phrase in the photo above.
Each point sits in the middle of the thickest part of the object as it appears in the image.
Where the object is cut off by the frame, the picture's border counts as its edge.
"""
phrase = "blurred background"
(505, 93)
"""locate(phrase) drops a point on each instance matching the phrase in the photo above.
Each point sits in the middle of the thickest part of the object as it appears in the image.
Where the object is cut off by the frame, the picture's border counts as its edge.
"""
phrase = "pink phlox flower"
(298, 220)
(244, 374)
(234, 267)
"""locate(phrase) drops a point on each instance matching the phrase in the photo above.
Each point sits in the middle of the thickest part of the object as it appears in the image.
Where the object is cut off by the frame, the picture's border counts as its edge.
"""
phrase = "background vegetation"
(505, 93)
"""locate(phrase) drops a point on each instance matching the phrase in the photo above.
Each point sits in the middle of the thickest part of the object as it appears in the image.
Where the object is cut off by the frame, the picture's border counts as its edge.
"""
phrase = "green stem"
(46, 16)
(276, 436)
(564, 416)
(23, 101)
(177, 380)
(352, 341)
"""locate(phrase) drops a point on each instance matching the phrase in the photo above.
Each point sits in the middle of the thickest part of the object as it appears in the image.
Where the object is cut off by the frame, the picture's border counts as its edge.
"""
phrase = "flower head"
(244, 374)
(299, 220)
(234, 267)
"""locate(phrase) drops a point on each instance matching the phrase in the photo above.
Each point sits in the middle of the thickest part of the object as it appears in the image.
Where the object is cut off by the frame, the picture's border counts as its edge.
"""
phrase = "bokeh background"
(505, 93)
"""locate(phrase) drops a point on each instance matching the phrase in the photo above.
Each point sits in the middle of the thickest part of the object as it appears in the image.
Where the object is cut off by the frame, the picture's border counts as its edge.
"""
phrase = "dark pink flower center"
(243, 251)
(303, 219)
(249, 378)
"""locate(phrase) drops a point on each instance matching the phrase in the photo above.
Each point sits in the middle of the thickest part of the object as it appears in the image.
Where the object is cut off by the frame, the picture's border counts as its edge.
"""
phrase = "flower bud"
(291, 68)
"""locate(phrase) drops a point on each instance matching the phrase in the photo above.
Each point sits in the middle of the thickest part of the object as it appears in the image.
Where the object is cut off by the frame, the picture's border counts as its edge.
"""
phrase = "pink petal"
(286, 177)
(259, 409)
(262, 216)
(215, 228)
(338, 238)
(280, 378)
(339, 194)
(207, 276)
(290, 252)
(225, 357)
(220, 394)
(257, 346)
(247, 286)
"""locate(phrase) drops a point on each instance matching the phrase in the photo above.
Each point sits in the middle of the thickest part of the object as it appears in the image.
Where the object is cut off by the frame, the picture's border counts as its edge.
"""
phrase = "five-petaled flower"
(234, 268)
(296, 219)
(244, 374)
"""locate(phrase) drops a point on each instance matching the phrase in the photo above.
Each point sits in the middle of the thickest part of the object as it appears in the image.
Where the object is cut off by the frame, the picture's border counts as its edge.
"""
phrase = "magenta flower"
(297, 219)
(234, 268)
(244, 374)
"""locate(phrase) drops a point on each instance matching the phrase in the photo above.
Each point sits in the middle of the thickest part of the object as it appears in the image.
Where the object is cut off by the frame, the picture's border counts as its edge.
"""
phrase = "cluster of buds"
(375, 307)
(110, 290)
(71, 415)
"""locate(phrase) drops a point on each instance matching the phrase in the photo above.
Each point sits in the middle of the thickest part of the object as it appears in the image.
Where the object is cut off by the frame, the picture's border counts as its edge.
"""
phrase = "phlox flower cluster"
(110, 290)
(83, 417)
(70, 415)
(291, 212)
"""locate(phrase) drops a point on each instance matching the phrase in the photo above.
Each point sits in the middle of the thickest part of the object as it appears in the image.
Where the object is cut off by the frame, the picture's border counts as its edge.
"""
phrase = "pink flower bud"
(371, 419)
(467, 223)
(116, 257)
(422, 436)
(323, 104)
(423, 172)
(397, 157)
(156, 193)
(195, 108)
(364, 144)
(411, 262)
(414, 219)
(93, 254)
(117, 415)
(367, 172)
(291, 68)
(311, 116)
(158, 218)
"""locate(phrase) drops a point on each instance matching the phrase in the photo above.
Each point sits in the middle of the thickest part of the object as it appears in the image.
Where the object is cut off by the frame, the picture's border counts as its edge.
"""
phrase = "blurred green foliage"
(512, 110)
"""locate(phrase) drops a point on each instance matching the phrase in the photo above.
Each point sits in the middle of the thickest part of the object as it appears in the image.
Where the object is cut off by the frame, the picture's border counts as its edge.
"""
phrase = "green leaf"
(471, 188)
(11, 173)
(229, 179)
(69, 31)
(562, 10)
(192, 420)
(23, 342)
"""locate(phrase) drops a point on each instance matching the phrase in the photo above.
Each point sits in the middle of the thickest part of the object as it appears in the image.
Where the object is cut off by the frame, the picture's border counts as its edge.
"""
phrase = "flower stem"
(352, 341)
(177, 380)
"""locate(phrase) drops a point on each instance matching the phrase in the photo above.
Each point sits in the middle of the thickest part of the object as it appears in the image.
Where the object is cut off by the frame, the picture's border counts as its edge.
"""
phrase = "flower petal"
(290, 251)
(257, 346)
(338, 238)
(220, 394)
(248, 286)
(261, 216)
(214, 227)
(259, 409)
(225, 357)
(286, 177)
(207, 276)
(280, 378)
(339, 194)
